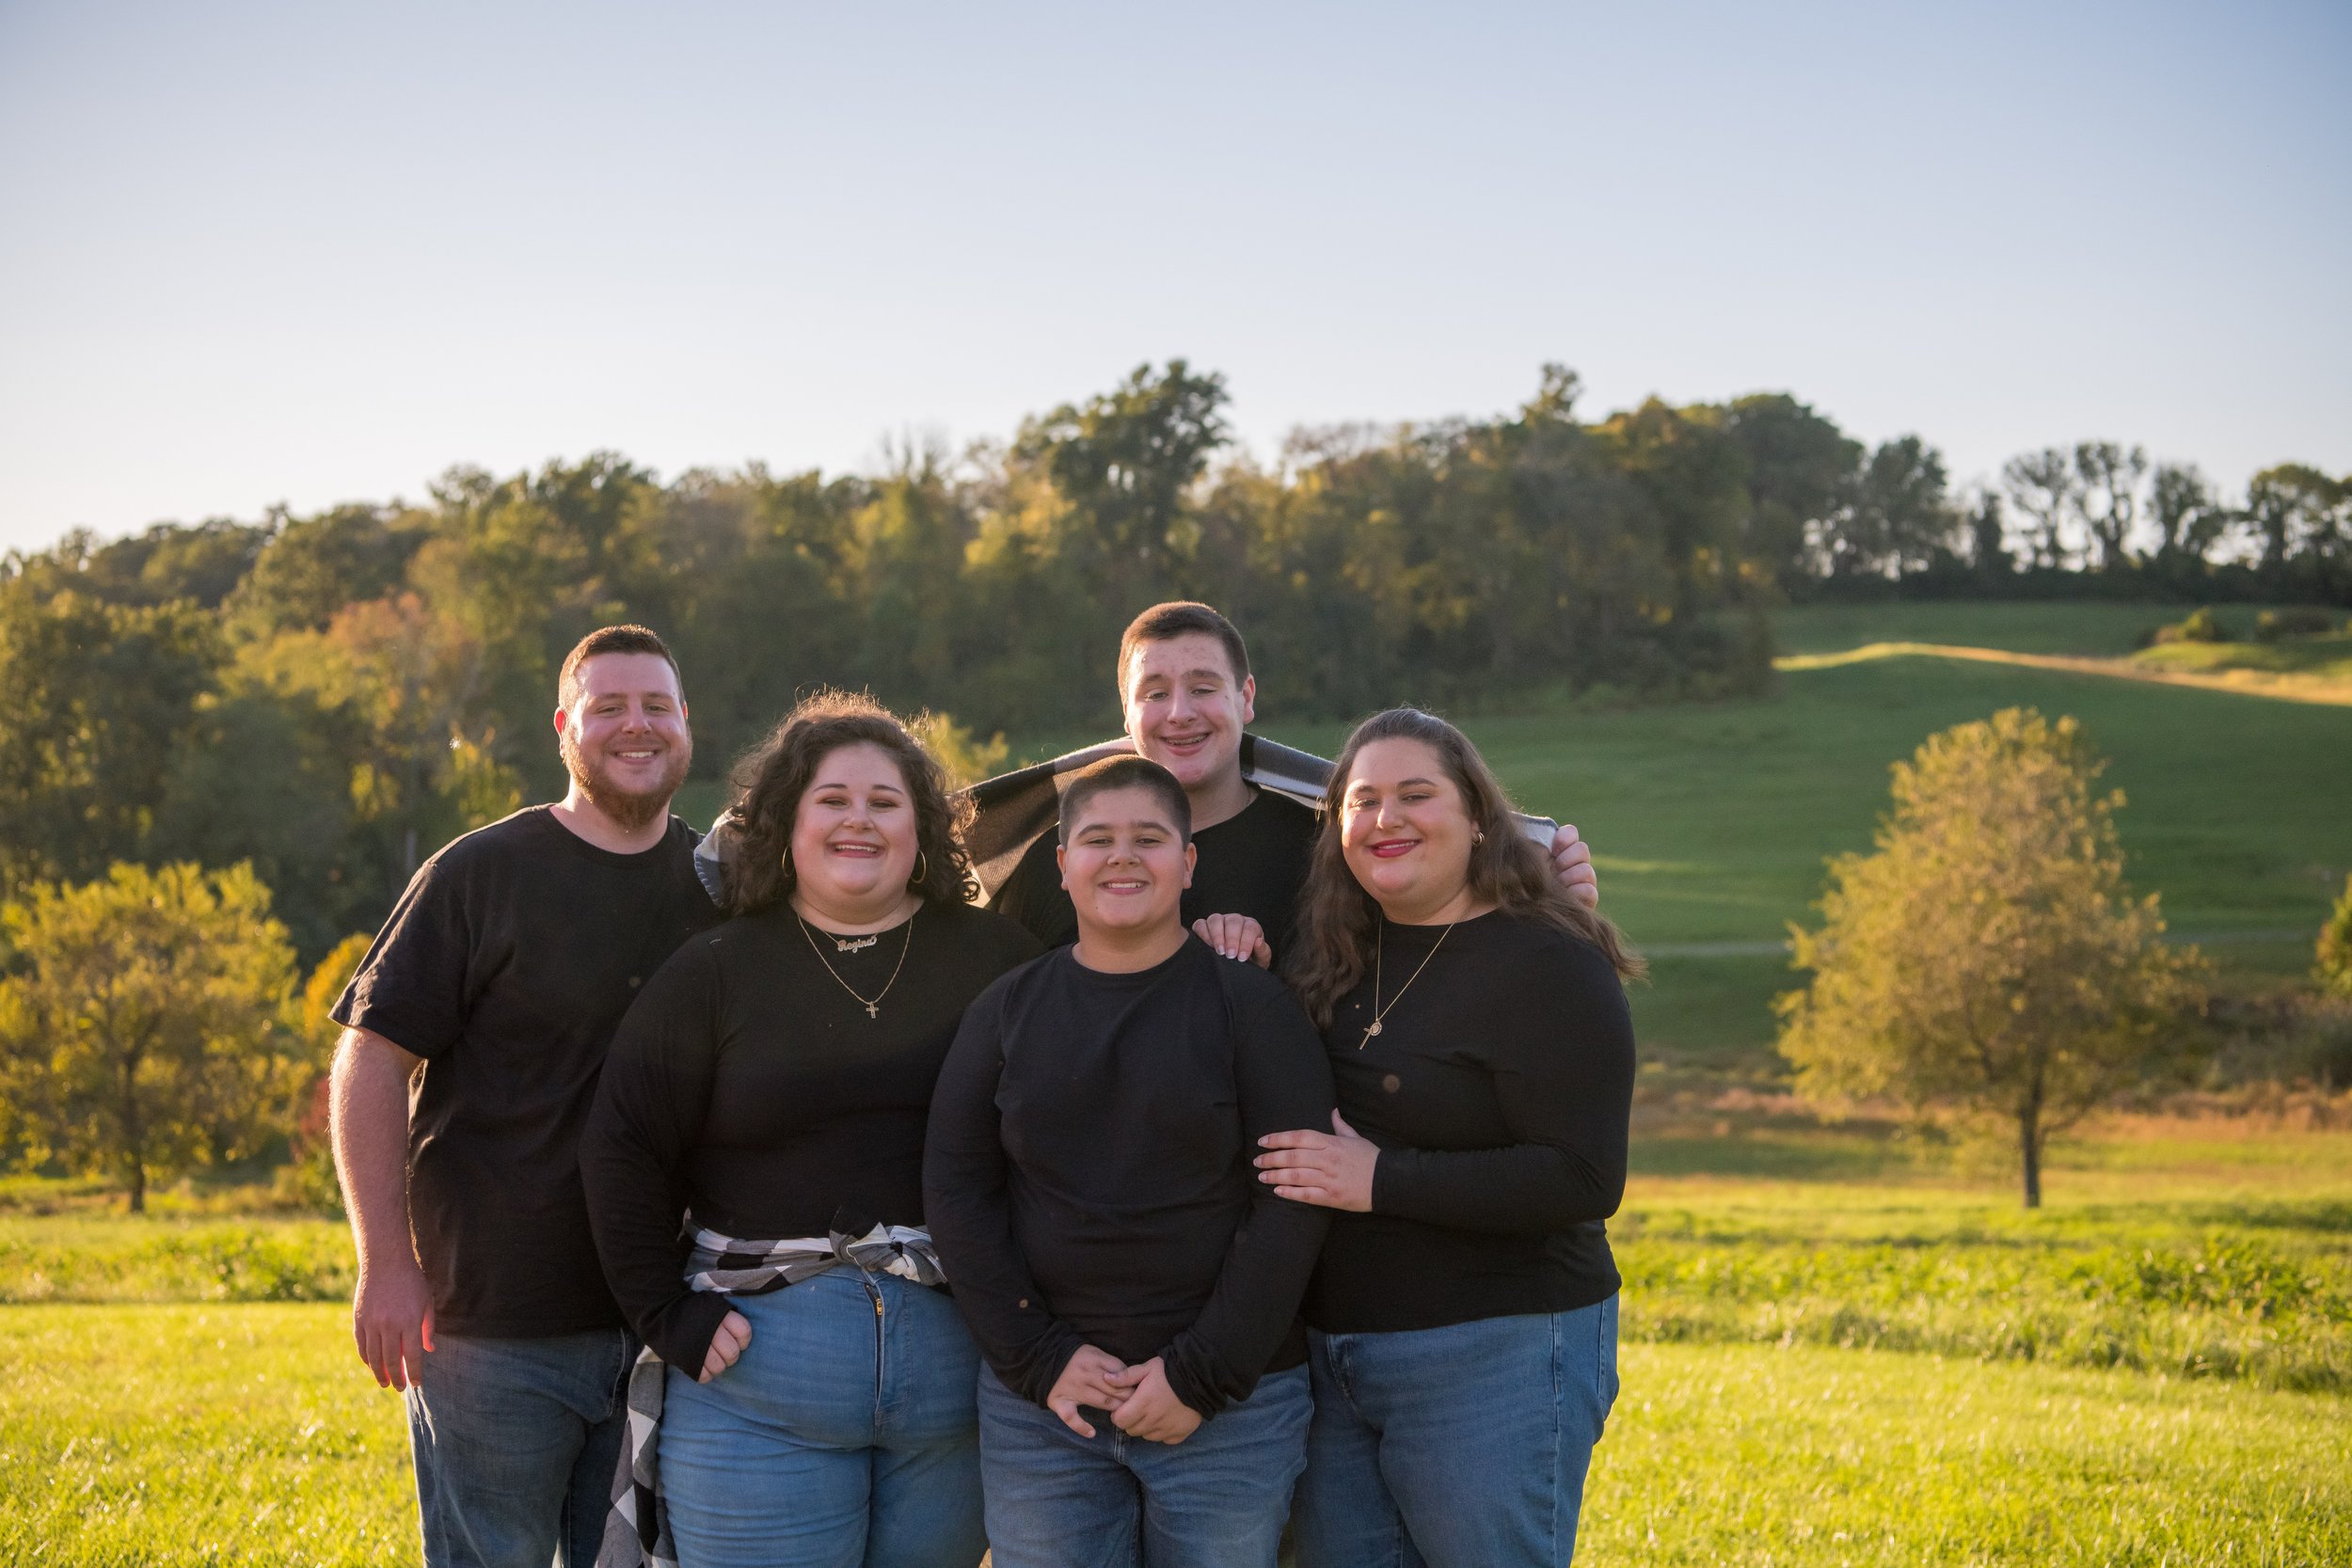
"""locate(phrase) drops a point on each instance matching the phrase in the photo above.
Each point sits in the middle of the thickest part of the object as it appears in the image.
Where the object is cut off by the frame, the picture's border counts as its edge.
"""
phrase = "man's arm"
(392, 1310)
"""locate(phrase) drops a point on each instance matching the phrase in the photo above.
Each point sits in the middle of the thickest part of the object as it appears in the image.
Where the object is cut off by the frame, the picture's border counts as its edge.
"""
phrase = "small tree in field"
(1987, 955)
(144, 1021)
(2334, 968)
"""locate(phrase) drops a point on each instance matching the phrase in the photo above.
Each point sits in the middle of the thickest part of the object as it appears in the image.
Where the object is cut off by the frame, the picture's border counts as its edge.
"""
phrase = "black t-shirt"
(1253, 863)
(506, 965)
(752, 1088)
(1499, 1090)
(1089, 1181)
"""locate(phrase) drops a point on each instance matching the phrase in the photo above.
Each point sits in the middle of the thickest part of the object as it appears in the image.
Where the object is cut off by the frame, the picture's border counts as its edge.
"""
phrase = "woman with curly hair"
(771, 1084)
(1462, 1320)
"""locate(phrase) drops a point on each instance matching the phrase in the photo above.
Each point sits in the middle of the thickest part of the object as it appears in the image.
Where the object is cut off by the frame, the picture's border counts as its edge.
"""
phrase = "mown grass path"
(249, 1434)
(2286, 688)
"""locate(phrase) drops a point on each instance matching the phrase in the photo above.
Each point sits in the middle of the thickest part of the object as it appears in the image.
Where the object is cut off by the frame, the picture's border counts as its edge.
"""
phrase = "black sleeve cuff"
(680, 1330)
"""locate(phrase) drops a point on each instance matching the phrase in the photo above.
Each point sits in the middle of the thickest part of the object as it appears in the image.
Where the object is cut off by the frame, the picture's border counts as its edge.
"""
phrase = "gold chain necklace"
(1380, 946)
(873, 1008)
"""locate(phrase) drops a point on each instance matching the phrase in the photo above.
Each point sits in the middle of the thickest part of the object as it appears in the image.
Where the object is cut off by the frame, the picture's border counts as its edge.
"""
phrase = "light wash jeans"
(1462, 1447)
(514, 1442)
(1215, 1500)
(843, 1438)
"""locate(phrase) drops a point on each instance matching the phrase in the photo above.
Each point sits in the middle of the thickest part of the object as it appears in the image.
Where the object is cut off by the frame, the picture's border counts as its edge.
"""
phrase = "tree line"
(331, 696)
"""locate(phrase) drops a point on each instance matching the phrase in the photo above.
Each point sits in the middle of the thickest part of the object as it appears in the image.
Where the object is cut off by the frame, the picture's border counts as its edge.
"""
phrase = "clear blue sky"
(313, 252)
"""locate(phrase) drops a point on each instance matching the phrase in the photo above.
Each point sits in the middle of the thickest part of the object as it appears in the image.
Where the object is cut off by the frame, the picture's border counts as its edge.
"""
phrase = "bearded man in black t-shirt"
(1186, 688)
(474, 1033)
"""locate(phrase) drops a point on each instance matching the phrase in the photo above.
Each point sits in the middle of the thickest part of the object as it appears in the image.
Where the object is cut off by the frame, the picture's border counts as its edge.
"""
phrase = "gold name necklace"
(1379, 946)
(873, 1008)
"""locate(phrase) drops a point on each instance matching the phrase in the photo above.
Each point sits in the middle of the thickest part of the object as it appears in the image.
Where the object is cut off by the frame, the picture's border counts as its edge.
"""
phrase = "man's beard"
(628, 809)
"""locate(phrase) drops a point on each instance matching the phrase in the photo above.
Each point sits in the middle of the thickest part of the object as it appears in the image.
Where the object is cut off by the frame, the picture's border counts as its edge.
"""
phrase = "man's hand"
(726, 1344)
(1236, 936)
(1573, 863)
(392, 1319)
(1092, 1377)
(1332, 1170)
(1152, 1412)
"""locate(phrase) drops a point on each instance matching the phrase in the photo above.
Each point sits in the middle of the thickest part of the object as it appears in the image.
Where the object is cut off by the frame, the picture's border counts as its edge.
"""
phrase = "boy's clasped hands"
(1140, 1401)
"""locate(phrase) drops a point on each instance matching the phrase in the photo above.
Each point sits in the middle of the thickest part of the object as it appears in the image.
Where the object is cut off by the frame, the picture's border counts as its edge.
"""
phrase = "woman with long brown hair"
(773, 1081)
(1463, 1316)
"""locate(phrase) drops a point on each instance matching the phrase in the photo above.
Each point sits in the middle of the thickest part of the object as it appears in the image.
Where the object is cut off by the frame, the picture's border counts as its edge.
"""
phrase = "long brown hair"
(773, 775)
(1339, 922)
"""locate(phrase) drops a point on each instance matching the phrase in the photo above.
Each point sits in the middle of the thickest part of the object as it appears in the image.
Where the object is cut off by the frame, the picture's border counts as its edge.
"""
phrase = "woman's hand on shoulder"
(1331, 1170)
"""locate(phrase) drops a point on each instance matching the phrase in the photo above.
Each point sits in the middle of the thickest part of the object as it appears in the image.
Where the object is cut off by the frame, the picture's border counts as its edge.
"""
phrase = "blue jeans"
(1215, 1500)
(1462, 1447)
(843, 1437)
(514, 1442)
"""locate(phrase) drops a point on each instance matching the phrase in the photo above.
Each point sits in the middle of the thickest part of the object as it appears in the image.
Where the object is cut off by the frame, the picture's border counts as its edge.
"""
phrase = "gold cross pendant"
(873, 1010)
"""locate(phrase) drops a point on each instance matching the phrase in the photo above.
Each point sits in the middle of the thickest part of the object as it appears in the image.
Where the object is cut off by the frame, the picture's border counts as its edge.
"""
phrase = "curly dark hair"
(772, 776)
(1339, 924)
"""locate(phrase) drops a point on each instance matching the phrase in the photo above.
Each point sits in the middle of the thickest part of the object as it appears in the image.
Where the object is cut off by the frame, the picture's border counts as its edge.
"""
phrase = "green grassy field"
(1711, 824)
(1836, 1354)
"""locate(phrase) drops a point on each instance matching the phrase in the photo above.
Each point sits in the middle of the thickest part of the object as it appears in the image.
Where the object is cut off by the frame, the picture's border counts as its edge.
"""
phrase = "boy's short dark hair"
(610, 639)
(1164, 623)
(1101, 778)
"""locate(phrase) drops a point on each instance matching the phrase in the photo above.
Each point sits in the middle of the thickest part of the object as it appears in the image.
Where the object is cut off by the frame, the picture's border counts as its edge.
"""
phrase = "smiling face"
(1125, 863)
(623, 735)
(853, 835)
(1186, 708)
(1405, 830)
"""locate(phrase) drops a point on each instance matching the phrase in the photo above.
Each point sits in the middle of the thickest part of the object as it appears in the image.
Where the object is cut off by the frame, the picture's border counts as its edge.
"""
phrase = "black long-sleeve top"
(1089, 1182)
(1499, 1090)
(748, 1085)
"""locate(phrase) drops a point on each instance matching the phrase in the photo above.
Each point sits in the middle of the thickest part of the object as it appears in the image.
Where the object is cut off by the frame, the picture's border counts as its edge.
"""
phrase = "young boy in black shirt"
(1089, 1188)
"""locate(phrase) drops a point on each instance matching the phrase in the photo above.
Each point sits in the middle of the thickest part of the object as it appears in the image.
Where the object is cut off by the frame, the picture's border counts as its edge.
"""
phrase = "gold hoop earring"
(1478, 836)
(922, 869)
(785, 860)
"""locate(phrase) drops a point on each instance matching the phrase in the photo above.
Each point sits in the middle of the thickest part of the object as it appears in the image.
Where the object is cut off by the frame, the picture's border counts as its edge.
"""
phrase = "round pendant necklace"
(1379, 1012)
(872, 1006)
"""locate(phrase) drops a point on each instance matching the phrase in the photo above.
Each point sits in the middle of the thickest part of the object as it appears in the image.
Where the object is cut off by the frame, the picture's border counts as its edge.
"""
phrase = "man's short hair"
(609, 640)
(1164, 623)
(1101, 778)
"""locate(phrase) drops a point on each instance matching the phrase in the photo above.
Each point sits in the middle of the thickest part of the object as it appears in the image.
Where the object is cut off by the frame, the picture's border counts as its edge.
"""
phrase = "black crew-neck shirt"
(1253, 863)
(1089, 1176)
(750, 1085)
(506, 965)
(1499, 1090)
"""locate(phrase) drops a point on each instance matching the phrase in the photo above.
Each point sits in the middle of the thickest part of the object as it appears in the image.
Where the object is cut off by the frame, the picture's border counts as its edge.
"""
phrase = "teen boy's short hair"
(1164, 623)
(609, 640)
(1111, 773)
